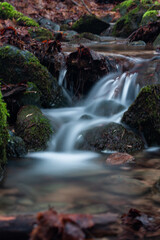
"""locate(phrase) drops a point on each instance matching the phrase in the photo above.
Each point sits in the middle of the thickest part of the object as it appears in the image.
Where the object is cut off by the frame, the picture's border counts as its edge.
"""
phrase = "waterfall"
(105, 103)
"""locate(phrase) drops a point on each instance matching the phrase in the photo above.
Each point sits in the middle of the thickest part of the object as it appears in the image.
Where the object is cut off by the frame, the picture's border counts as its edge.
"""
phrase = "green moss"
(26, 21)
(3, 130)
(7, 11)
(149, 16)
(18, 66)
(33, 127)
(125, 6)
(41, 34)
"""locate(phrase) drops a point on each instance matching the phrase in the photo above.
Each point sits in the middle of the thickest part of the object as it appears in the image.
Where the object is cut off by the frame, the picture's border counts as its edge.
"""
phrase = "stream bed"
(70, 180)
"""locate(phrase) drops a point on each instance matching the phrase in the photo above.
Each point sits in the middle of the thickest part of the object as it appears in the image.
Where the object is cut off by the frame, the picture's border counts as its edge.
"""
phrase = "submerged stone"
(119, 158)
(33, 127)
(144, 114)
(112, 136)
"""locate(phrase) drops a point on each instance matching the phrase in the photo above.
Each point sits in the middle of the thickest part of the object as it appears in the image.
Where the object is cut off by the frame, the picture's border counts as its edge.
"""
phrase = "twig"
(86, 6)
(79, 5)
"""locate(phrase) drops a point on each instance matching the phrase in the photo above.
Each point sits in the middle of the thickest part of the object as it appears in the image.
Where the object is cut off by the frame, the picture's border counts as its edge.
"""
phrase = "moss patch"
(149, 16)
(7, 11)
(40, 34)
(33, 127)
(3, 131)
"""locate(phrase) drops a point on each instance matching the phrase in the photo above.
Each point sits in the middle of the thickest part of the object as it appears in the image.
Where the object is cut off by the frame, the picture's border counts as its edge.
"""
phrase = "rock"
(16, 147)
(90, 23)
(3, 131)
(112, 136)
(46, 23)
(119, 158)
(40, 34)
(125, 6)
(137, 43)
(144, 114)
(33, 127)
(84, 68)
(69, 35)
(18, 66)
(128, 23)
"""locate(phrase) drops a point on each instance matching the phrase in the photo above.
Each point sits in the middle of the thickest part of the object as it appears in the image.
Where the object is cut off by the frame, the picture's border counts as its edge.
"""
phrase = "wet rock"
(112, 136)
(90, 23)
(144, 113)
(119, 158)
(69, 35)
(16, 147)
(137, 43)
(46, 23)
(18, 66)
(84, 68)
(105, 108)
(33, 127)
(156, 42)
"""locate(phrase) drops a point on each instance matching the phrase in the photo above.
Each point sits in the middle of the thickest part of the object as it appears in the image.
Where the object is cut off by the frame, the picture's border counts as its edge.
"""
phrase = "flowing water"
(79, 181)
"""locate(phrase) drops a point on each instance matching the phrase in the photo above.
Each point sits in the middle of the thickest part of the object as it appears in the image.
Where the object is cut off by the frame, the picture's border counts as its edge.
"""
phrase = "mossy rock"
(125, 6)
(144, 114)
(128, 23)
(112, 136)
(4, 136)
(17, 66)
(149, 16)
(27, 21)
(33, 127)
(7, 11)
(40, 34)
(90, 23)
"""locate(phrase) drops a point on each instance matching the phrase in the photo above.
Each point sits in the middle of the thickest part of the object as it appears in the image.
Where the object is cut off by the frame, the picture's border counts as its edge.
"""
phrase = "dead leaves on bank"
(134, 225)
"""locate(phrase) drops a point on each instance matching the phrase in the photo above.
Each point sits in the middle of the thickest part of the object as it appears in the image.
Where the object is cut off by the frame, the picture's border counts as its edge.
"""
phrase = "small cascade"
(106, 102)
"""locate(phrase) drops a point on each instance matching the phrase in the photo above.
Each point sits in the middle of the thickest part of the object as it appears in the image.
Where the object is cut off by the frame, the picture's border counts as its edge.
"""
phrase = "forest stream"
(72, 180)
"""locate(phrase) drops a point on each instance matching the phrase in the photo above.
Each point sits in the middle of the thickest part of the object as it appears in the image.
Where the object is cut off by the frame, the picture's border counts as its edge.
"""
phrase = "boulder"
(112, 136)
(33, 127)
(90, 23)
(3, 131)
(17, 66)
(144, 114)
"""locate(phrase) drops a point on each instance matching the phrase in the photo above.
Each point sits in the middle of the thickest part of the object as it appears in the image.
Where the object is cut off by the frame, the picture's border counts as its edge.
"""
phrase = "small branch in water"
(86, 6)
